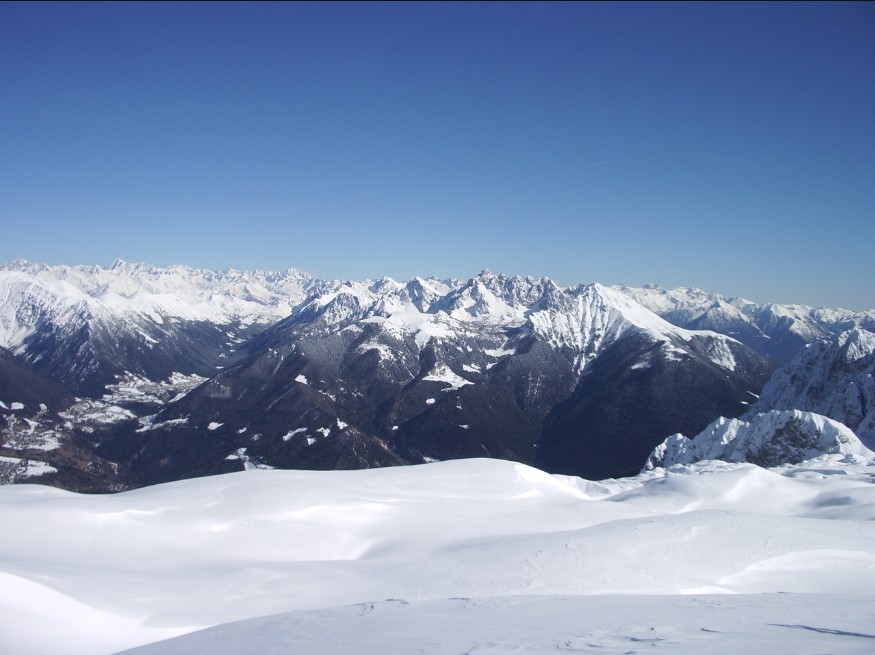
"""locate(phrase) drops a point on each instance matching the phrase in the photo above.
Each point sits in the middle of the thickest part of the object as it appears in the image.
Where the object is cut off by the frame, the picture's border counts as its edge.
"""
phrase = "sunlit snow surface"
(473, 556)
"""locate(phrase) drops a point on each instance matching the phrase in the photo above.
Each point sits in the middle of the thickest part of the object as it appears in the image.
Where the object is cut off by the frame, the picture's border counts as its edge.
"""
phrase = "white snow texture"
(475, 556)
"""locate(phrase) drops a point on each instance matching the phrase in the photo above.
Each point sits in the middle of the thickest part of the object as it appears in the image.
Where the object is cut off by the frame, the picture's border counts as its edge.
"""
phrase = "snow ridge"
(768, 439)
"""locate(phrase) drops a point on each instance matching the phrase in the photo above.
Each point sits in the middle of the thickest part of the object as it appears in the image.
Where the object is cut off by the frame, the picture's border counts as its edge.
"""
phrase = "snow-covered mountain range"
(133, 375)
(164, 373)
(779, 331)
(84, 325)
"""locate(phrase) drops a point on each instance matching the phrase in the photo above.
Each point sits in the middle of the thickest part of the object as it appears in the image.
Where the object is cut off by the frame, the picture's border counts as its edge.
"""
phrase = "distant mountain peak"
(856, 344)
(777, 330)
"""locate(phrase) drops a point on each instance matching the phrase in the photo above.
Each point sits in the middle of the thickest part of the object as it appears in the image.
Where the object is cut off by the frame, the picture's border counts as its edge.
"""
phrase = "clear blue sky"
(725, 146)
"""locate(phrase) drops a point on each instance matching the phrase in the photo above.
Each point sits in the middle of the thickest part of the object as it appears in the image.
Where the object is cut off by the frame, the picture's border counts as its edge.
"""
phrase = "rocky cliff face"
(768, 439)
(834, 377)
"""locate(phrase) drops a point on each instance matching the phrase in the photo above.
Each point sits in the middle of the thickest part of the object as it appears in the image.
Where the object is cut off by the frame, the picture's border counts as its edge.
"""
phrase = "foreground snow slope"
(96, 574)
(775, 623)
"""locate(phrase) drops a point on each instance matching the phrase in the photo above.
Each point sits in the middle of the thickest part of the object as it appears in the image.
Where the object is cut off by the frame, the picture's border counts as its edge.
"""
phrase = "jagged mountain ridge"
(767, 439)
(81, 304)
(84, 325)
(833, 377)
(475, 371)
(778, 331)
(392, 372)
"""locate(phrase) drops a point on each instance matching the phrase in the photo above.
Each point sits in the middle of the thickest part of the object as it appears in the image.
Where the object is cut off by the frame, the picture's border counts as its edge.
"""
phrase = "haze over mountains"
(133, 374)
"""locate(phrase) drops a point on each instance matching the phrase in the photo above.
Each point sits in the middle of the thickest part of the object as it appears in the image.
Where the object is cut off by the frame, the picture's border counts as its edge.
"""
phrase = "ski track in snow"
(475, 556)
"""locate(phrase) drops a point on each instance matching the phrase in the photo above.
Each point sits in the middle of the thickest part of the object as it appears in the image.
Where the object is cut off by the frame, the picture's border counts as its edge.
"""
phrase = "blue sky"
(725, 146)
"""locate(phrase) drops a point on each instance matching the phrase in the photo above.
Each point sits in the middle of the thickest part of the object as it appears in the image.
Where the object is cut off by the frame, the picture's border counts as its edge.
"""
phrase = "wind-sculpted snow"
(769, 439)
(480, 556)
(547, 624)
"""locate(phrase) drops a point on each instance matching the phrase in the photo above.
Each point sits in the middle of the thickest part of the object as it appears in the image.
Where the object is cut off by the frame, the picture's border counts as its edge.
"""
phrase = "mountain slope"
(430, 371)
(778, 331)
(44, 436)
(172, 372)
(84, 326)
(629, 396)
(834, 377)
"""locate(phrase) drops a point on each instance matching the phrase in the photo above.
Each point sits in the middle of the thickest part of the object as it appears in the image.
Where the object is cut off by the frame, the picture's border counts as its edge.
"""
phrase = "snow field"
(101, 573)
(717, 625)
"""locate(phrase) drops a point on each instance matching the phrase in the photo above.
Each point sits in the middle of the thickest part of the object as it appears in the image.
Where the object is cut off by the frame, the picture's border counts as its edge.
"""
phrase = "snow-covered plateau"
(471, 556)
